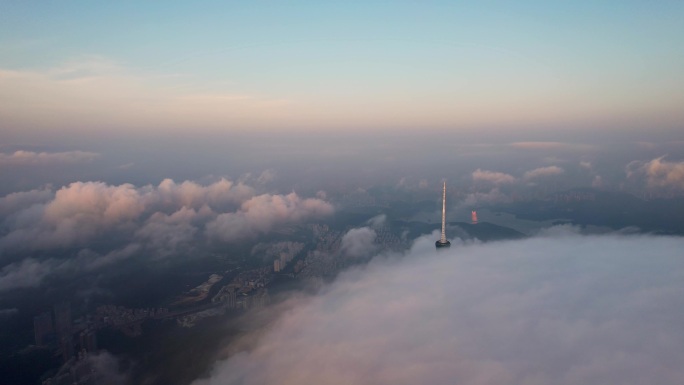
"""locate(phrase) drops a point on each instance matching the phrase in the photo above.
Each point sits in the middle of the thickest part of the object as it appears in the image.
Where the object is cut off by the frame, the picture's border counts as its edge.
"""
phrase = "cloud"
(556, 146)
(551, 310)
(261, 213)
(190, 194)
(658, 173)
(31, 272)
(377, 221)
(110, 95)
(81, 210)
(359, 242)
(105, 369)
(497, 178)
(77, 213)
(167, 234)
(21, 158)
(27, 273)
(266, 176)
(18, 201)
(543, 172)
(94, 224)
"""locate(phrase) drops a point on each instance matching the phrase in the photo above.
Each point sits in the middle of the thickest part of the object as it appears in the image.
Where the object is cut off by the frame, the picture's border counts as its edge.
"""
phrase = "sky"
(121, 69)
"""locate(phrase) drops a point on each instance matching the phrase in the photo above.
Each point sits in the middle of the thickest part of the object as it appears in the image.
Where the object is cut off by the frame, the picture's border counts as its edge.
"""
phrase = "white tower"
(443, 241)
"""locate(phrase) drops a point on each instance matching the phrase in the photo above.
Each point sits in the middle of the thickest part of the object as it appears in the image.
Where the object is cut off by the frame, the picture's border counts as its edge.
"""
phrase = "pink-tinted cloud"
(497, 178)
(20, 158)
(81, 211)
(261, 213)
(191, 194)
(543, 172)
(658, 173)
(556, 146)
(162, 221)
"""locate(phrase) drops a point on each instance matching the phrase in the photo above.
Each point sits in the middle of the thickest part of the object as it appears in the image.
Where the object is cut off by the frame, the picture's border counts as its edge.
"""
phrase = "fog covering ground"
(558, 308)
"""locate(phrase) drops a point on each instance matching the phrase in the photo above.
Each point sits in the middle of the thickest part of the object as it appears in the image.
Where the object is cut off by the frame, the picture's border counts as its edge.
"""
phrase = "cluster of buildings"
(572, 196)
(241, 291)
(389, 240)
(73, 342)
(317, 264)
(62, 334)
(231, 297)
(323, 260)
(110, 315)
(286, 255)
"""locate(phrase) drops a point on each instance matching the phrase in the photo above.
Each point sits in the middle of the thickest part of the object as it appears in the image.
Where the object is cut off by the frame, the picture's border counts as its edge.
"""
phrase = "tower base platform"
(440, 244)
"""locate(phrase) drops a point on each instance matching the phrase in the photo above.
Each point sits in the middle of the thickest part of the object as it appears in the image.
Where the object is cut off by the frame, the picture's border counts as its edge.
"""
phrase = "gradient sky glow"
(227, 66)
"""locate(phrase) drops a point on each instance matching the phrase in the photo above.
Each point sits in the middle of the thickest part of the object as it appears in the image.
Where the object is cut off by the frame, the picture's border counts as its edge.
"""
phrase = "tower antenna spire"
(442, 240)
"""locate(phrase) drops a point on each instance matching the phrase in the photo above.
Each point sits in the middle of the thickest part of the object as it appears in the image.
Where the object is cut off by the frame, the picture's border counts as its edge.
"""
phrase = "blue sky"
(233, 65)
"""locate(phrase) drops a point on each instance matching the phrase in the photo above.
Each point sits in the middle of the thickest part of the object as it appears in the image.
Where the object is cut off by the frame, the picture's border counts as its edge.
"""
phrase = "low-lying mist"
(558, 308)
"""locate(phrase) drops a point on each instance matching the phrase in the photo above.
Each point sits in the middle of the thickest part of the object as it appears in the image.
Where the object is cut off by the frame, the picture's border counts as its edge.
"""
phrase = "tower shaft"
(443, 238)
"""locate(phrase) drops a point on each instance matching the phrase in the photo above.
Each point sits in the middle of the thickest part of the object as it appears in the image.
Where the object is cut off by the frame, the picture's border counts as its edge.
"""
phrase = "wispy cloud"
(45, 158)
(493, 177)
(552, 146)
(94, 91)
(543, 172)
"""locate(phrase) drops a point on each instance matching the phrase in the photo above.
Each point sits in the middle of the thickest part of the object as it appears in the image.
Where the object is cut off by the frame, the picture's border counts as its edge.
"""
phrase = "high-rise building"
(66, 347)
(473, 217)
(63, 318)
(442, 240)
(42, 327)
(88, 341)
(276, 265)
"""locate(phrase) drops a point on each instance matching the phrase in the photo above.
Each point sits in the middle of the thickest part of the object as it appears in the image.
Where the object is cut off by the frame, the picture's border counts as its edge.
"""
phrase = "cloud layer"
(162, 220)
(563, 309)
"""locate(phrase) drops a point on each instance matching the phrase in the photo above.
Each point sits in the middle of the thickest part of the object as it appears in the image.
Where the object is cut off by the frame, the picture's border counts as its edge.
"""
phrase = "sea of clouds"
(558, 308)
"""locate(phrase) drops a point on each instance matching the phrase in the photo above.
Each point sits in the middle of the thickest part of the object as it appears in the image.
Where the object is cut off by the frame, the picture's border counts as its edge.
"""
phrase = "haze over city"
(224, 193)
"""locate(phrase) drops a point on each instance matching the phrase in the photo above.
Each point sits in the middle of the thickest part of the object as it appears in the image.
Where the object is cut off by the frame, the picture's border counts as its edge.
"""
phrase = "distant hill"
(483, 231)
(486, 231)
(603, 208)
